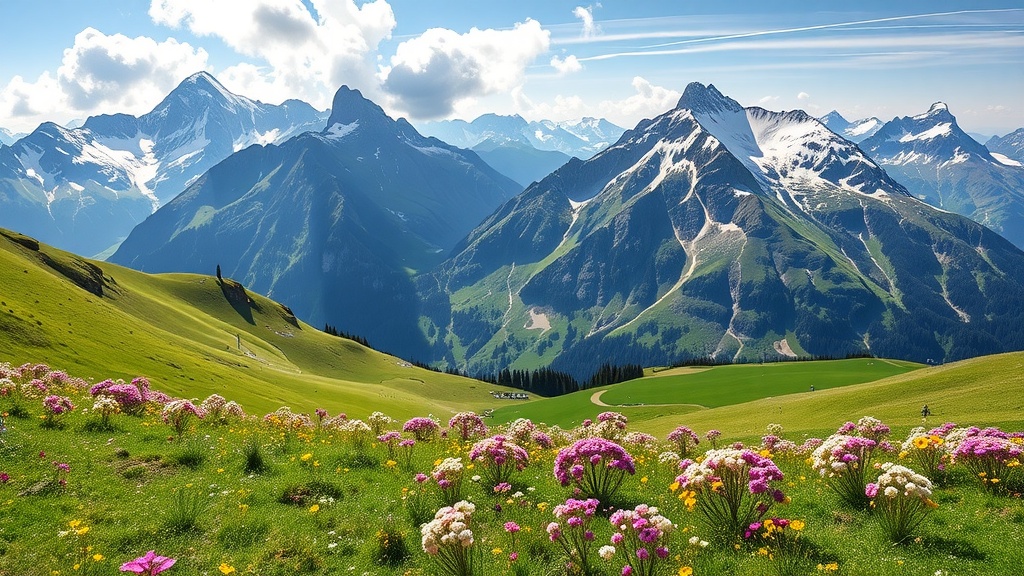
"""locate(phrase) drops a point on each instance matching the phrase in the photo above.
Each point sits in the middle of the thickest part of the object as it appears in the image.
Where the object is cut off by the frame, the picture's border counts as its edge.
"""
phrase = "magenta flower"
(4, 478)
(595, 465)
(148, 565)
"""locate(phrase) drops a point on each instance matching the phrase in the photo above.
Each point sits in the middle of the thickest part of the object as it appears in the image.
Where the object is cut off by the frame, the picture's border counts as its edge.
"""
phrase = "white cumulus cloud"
(307, 54)
(431, 73)
(566, 66)
(803, 96)
(586, 15)
(101, 73)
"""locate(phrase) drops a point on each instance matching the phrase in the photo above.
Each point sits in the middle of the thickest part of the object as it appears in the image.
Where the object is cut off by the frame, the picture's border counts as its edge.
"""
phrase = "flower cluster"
(424, 429)
(731, 487)
(642, 535)
(380, 421)
(56, 407)
(594, 465)
(448, 475)
(575, 537)
(521, 430)
(712, 436)
(993, 458)
(467, 425)
(684, 439)
(901, 498)
(610, 426)
(866, 427)
(284, 418)
(498, 459)
(177, 414)
(448, 538)
(355, 431)
(843, 461)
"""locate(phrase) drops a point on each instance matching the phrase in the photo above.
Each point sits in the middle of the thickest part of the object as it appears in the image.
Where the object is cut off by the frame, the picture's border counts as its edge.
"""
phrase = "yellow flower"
(643, 480)
(307, 456)
(830, 567)
(75, 523)
(496, 551)
(226, 568)
(542, 506)
(244, 508)
(82, 530)
(685, 571)
(797, 525)
(673, 487)
(314, 508)
(220, 470)
(97, 557)
(390, 464)
(921, 442)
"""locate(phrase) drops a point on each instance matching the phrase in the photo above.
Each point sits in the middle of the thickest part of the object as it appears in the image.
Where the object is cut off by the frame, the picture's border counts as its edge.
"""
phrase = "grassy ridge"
(988, 390)
(182, 331)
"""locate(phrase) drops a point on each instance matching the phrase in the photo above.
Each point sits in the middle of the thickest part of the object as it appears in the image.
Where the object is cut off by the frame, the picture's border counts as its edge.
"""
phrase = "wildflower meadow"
(115, 477)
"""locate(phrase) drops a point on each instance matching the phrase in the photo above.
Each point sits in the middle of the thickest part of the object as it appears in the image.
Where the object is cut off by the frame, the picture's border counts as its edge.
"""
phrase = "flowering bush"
(684, 439)
(448, 475)
(467, 425)
(731, 488)
(610, 426)
(639, 439)
(779, 540)
(355, 431)
(177, 414)
(901, 499)
(424, 429)
(712, 436)
(594, 465)
(994, 460)
(642, 535)
(575, 538)
(925, 450)
(498, 458)
(843, 461)
(380, 421)
(449, 538)
(521, 430)
(284, 418)
(56, 407)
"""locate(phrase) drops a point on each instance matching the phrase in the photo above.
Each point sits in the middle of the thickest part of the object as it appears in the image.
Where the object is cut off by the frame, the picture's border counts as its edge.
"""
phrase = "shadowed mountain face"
(943, 166)
(84, 189)
(1009, 147)
(714, 230)
(330, 223)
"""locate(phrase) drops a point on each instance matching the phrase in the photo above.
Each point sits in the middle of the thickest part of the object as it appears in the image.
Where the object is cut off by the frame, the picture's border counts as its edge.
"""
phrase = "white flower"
(606, 552)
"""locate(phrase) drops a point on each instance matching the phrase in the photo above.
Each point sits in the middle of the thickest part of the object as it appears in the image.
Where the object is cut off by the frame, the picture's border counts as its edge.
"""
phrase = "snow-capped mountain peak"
(703, 99)
(937, 110)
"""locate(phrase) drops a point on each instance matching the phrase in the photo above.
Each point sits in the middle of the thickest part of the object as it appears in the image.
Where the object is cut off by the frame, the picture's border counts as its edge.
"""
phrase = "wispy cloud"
(695, 39)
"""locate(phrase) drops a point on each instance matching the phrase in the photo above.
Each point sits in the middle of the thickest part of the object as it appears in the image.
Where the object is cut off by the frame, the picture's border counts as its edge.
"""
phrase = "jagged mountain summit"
(940, 164)
(83, 189)
(1009, 147)
(331, 223)
(855, 131)
(582, 138)
(719, 231)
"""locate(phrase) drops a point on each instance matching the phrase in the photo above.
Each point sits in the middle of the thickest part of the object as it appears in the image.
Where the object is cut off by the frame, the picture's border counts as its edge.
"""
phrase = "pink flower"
(148, 565)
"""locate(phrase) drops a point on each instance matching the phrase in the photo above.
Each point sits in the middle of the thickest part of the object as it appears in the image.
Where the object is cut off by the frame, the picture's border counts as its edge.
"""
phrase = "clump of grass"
(192, 455)
(309, 493)
(186, 506)
(255, 461)
(420, 507)
(390, 546)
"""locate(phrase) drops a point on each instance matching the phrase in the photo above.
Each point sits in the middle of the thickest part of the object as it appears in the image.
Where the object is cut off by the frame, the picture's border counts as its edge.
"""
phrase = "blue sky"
(67, 59)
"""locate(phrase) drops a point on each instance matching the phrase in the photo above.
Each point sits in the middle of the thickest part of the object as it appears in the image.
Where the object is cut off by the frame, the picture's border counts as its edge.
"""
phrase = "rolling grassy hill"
(193, 335)
(742, 400)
